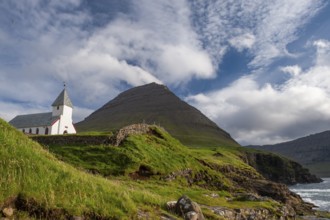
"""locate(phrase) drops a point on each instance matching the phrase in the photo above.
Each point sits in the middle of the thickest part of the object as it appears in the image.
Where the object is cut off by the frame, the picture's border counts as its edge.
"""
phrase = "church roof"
(33, 120)
(63, 99)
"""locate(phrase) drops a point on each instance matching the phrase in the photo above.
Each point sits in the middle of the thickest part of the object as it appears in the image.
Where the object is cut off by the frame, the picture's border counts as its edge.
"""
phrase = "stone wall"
(79, 140)
(71, 140)
(121, 134)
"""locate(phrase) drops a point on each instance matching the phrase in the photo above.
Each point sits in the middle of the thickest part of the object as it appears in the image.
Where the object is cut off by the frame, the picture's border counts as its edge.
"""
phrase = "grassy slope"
(161, 155)
(31, 171)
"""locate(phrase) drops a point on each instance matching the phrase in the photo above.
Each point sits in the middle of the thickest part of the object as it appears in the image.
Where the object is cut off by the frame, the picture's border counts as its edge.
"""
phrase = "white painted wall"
(54, 128)
(42, 130)
(65, 121)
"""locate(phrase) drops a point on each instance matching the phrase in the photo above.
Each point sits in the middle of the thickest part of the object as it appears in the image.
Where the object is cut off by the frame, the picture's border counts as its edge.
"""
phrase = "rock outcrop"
(279, 169)
(190, 210)
(186, 208)
(124, 132)
(312, 151)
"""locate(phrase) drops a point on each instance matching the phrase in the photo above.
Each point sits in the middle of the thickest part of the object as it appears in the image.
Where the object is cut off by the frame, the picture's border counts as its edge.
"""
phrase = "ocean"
(316, 193)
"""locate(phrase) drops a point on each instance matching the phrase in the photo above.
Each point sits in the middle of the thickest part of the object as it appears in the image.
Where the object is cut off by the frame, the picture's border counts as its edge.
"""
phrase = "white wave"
(312, 190)
(321, 204)
(308, 194)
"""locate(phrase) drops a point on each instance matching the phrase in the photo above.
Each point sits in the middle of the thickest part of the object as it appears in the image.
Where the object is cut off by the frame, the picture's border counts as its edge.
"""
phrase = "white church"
(59, 121)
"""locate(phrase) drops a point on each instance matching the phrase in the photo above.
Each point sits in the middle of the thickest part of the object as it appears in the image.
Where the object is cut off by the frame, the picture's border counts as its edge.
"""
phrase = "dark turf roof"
(33, 120)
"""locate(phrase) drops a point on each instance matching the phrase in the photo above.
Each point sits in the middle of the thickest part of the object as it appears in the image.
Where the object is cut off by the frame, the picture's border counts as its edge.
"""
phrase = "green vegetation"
(147, 150)
(159, 155)
(33, 173)
(135, 177)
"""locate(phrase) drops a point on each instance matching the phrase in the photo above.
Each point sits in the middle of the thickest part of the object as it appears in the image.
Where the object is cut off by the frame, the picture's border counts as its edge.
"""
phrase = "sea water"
(316, 193)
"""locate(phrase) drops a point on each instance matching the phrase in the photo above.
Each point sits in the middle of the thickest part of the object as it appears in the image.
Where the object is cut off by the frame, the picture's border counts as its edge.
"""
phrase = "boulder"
(8, 212)
(188, 209)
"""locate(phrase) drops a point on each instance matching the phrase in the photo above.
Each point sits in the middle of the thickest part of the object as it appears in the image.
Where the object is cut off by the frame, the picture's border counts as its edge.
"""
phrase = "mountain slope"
(313, 151)
(156, 104)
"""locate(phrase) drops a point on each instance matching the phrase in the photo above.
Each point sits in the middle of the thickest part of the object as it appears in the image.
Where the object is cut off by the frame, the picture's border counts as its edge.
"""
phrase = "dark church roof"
(33, 120)
(63, 99)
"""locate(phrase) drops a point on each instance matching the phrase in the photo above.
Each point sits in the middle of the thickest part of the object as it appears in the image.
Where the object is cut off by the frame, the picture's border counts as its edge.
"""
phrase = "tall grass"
(29, 170)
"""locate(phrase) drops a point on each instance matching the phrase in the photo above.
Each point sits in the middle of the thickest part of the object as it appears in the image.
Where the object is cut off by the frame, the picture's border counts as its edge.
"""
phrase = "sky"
(260, 69)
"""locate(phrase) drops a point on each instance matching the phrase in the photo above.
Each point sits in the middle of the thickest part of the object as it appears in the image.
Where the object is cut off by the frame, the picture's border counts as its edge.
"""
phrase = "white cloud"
(263, 27)
(47, 43)
(263, 114)
(241, 42)
(172, 42)
(9, 110)
(292, 70)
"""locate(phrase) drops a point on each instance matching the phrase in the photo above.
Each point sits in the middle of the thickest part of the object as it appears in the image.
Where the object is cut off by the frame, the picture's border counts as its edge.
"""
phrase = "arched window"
(23, 130)
(65, 132)
(30, 131)
(37, 131)
(46, 130)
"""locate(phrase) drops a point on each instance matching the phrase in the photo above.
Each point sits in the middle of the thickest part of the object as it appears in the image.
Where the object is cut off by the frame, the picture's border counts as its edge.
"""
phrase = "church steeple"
(63, 99)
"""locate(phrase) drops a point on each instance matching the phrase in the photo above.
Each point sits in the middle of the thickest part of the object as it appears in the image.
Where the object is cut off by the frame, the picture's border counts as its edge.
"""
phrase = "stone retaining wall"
(121, 134)
(71, 140)
(79, 140)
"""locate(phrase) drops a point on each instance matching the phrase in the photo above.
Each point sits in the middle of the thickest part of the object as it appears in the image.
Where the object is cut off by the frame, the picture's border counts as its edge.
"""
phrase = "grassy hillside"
(33, 174)
(142, 174)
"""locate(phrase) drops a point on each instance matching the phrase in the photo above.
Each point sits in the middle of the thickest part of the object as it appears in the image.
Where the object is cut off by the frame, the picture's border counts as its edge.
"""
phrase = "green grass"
(32, 172)
(29, 170)
(147, 150)
(161, 154)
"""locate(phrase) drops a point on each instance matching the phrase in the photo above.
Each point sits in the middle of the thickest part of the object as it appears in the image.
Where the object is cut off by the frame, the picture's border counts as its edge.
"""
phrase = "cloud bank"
(100, 48)
(263, 114)
(266, 28)
(49, 42)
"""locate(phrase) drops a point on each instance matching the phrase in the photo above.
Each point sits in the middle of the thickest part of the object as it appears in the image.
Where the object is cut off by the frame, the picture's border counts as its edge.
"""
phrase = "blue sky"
(259, 69)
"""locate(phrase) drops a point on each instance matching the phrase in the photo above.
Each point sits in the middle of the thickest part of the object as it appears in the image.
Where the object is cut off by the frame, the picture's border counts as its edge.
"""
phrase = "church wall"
(66, 121)
(57, 110)
(54, 128)
(65, 124)
(34, 130)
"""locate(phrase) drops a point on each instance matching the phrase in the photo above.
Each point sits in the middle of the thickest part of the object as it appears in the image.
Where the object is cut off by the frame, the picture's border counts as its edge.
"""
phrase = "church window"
(46, 131)
(58, 107)
(23, 130)
(30, 131)
(37, 131)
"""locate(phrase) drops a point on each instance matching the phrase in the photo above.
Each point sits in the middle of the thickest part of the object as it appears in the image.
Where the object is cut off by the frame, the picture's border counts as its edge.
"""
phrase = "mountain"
(312, 151)
(156, 104)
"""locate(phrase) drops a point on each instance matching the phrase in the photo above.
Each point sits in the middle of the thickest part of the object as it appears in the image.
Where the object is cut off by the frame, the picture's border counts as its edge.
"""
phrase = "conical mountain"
(156, 104)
